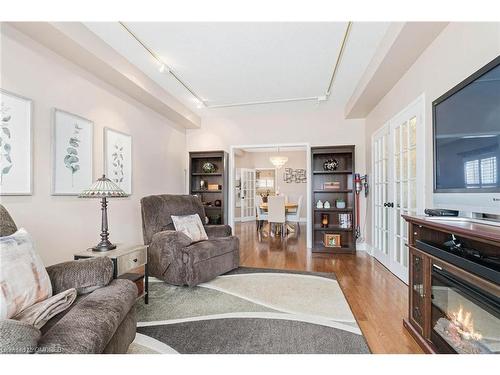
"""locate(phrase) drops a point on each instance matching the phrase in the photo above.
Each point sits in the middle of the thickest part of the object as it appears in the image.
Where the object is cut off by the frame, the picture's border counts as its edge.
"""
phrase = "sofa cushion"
(18, 337)
(191, 226)
(23, 277)
(91, 323)
(204, 250)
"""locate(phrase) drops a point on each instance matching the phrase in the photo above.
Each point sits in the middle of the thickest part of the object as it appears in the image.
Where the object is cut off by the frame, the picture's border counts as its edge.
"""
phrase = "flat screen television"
(466, 127)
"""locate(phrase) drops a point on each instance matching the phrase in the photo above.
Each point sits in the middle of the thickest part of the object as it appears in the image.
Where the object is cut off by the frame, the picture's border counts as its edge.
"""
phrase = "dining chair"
(294, 217)
(261, 214)
(276, 212)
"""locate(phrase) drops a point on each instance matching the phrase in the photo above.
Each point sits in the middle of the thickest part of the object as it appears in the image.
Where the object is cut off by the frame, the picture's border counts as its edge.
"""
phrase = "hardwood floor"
(377, 298)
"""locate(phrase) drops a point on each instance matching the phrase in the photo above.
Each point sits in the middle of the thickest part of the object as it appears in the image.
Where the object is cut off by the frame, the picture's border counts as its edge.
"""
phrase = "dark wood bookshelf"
(333, 209)
(206, 174)
(329, 191)
(215, 214)
(332, 172)
(335, 228)
(344, 175)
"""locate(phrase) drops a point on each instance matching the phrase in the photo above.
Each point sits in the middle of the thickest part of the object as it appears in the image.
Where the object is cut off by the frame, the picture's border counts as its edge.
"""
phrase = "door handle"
(386, 204)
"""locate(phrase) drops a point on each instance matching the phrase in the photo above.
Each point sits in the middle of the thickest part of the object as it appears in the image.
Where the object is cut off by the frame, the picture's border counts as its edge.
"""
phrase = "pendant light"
(278, 161)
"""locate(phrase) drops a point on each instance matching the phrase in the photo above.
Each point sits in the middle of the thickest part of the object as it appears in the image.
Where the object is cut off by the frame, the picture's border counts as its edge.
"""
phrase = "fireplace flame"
(465, 324)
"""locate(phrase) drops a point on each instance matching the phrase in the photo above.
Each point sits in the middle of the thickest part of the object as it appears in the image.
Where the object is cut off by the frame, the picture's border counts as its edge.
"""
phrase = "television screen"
(467, 136)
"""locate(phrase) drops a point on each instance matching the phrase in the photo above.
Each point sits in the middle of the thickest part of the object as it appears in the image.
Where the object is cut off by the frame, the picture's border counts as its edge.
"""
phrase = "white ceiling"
(226, 63)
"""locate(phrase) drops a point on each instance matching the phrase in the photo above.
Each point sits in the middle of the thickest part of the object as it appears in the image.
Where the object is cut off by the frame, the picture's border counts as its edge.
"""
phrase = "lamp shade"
(103, 188)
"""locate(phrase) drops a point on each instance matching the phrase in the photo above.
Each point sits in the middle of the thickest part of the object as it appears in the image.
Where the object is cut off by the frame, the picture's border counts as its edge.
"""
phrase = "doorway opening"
(260, 173)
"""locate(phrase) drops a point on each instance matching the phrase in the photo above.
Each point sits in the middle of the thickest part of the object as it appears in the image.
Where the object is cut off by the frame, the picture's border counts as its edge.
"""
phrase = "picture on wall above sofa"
(15, 144)
(118, 158)
(72, 153)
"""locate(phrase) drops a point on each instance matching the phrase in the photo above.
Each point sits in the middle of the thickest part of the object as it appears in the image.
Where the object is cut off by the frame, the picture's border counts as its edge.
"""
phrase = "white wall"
(460, 50)
(59, 225)
(300, 122)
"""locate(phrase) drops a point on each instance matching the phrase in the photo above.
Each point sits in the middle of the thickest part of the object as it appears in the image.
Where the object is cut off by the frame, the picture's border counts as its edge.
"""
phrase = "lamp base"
(104, 246)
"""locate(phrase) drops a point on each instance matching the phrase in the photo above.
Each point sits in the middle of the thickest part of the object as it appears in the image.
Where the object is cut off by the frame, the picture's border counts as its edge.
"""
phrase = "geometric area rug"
(249, 311)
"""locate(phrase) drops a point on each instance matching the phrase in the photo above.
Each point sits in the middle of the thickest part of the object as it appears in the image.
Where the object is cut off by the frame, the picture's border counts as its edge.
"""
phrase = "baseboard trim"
(366, 247)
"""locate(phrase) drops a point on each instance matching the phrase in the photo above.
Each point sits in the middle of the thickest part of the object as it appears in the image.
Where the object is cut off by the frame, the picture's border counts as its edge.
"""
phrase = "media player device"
(440, 212)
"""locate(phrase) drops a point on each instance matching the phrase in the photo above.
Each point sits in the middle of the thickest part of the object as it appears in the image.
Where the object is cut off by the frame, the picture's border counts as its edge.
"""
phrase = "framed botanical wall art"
(72, 153)
(15, 144)
(118, 158)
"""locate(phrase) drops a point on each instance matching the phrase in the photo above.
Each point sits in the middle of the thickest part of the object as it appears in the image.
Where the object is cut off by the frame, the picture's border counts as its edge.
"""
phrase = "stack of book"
(345, 221)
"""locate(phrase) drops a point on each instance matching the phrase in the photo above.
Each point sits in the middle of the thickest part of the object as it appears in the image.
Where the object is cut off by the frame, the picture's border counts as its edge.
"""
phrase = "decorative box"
(333, 185)
(214, 187)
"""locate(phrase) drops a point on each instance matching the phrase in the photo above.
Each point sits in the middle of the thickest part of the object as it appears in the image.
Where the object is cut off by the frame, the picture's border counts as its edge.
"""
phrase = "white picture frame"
(72, 155)
(16, 144)
(118, 158)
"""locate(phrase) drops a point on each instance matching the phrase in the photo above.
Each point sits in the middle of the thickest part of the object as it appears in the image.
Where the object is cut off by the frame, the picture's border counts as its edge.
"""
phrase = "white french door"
(247, 194)
(398, 168)
(380, 143)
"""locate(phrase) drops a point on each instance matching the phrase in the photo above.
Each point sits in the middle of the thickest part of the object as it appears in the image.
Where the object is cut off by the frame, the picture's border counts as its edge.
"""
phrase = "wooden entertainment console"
(440, 281)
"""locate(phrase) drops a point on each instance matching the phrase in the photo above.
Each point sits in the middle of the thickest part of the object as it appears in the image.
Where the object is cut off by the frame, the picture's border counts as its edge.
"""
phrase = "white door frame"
(273, 145)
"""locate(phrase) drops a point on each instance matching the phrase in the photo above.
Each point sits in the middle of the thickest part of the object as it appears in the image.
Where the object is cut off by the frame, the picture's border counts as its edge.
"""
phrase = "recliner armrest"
(218, 231)
(84, 275)
(165, 248)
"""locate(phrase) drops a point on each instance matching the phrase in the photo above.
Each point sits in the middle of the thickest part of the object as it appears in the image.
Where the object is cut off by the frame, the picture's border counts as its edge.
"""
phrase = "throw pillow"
(191, 226)
(23, 278)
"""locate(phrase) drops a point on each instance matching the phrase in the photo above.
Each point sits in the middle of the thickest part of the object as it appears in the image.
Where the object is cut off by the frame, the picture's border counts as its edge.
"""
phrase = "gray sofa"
(171, 255)
(101, 320)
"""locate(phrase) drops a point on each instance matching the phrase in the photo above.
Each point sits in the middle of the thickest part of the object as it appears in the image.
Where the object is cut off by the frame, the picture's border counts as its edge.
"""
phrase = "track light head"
(163, 68)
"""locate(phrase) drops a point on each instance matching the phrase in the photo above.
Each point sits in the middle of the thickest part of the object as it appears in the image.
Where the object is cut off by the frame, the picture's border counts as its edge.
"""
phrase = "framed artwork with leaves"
(16, 140)
(118, 158)
(72, 153)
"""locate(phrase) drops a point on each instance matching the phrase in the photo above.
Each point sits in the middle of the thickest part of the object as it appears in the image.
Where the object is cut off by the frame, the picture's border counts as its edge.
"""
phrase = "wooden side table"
(125, 259)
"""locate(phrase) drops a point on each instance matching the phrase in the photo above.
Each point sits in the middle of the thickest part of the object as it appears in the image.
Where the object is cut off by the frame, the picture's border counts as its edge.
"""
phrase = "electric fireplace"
(453, 286)
(465, 318)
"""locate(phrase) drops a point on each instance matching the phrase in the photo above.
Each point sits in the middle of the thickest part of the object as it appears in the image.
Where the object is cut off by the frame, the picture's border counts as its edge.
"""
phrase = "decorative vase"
(319, 204)
(324, 221)
(330, 165)
(326, 205)
(340, 203)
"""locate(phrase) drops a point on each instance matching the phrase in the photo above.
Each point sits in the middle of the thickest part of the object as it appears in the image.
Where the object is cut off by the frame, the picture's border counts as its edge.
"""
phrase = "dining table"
(289, 207)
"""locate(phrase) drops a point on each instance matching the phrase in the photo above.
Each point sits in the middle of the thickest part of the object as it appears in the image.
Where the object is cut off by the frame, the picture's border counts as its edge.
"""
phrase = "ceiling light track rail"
(163, 65)
(339, 58)
(241, 104)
